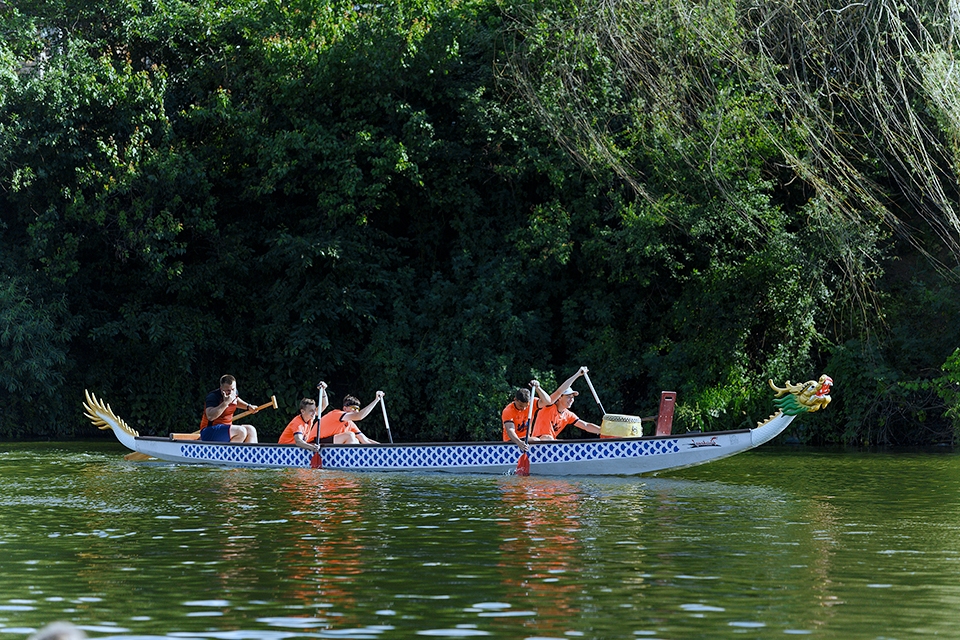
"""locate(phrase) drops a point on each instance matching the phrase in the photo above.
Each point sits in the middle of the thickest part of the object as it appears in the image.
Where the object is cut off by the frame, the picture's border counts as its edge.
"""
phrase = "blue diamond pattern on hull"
(487, 455)
(428, 457)
(420, 457)
(247, 455)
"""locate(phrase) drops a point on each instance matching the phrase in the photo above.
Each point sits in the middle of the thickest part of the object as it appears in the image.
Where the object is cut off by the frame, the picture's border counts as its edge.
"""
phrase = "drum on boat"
(616, 425)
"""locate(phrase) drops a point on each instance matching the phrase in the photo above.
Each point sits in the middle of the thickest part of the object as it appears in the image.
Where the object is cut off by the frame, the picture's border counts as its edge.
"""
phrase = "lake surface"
(774, 542)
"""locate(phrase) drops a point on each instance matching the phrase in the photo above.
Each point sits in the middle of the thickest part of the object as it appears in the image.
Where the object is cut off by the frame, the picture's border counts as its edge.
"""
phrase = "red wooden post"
(668, 401)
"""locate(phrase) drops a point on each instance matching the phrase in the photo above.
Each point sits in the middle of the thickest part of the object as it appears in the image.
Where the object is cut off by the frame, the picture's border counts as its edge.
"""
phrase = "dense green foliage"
(445, 199)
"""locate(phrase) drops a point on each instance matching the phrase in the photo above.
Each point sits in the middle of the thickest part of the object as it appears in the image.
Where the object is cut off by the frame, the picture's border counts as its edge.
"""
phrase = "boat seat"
(184, 436)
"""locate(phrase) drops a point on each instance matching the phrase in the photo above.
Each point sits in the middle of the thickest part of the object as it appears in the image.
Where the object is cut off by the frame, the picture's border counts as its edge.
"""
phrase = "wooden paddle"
(523, 464)
(272, 403)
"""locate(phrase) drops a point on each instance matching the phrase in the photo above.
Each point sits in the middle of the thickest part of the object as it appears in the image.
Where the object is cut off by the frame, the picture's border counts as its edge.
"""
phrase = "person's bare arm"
(566, 385)
(356, 416)
(303, 444)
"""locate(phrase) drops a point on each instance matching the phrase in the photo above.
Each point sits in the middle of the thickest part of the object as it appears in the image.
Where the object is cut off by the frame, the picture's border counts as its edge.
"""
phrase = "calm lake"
(773, 542)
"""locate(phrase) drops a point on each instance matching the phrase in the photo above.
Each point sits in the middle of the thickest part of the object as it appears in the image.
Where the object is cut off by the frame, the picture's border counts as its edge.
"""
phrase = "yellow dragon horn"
(103, 417)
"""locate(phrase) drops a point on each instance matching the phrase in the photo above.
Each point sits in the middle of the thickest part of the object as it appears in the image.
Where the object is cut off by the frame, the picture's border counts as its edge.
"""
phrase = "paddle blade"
(315, 462)
(523, 465)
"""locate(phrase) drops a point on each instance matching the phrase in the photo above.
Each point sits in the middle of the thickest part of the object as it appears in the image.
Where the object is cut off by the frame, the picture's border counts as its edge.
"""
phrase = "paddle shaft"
(386, 422)
(526, 435)
(594, 392)
(315, 461)
(272, 403)
(317, 418)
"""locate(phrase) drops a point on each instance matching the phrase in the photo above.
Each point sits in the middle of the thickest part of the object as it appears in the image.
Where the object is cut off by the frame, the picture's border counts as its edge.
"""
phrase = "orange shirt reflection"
(323, 556)
(539, 526)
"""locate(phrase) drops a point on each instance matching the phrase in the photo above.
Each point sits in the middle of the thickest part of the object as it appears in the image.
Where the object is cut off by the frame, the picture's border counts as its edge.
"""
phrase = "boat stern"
(103, 417)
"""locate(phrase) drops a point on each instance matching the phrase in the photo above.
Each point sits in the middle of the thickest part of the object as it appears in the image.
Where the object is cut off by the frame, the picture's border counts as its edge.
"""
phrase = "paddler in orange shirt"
(555, 418)
(338, 426)
(514, 415)
(302, 430)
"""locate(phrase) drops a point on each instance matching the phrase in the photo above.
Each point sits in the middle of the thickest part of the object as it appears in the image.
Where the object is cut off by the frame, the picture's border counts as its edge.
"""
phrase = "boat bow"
(770, 428)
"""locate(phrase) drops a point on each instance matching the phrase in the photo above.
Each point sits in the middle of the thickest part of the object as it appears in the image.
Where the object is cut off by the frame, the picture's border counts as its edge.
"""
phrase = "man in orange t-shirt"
(514, 417)
(302, 430)
(338, 426)
(555, 418)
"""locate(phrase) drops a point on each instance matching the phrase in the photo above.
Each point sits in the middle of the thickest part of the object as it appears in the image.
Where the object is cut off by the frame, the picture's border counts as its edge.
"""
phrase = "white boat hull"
(607, 456)
(594, 457)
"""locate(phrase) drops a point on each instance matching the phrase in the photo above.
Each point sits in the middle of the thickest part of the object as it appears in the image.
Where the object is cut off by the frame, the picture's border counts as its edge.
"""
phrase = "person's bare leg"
(243, 433)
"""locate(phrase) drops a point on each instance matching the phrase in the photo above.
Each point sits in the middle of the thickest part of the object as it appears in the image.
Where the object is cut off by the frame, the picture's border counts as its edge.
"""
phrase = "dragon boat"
(616, 455)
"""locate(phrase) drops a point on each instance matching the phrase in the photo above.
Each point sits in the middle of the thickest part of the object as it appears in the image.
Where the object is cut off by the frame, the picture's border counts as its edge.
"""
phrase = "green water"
(771, 543)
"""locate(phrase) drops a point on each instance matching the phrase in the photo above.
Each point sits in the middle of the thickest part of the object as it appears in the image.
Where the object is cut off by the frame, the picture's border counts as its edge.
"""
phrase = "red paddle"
(523, 464)
(315, 461)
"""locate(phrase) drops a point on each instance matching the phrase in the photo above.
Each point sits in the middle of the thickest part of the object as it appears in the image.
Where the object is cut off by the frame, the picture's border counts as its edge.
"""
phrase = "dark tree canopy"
(444, 200)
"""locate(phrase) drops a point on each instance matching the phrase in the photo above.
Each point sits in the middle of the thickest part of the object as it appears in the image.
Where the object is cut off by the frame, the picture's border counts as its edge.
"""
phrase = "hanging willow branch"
(854, 85)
